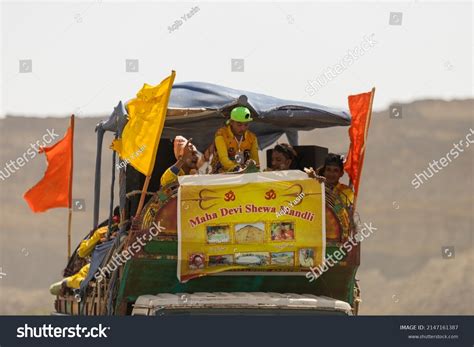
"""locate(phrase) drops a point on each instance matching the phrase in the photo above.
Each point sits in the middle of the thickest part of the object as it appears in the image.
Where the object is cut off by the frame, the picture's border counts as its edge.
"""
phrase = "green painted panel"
(152, 276)
(161, 247)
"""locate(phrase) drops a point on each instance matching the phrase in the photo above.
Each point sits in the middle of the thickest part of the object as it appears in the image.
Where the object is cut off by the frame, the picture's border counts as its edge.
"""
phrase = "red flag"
(55, 188)
(361, 108)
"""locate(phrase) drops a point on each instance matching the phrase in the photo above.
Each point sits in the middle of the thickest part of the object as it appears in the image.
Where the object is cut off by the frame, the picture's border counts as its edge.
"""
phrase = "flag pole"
(148, 178)
(142, 196)
(69, 222)
(366, 132)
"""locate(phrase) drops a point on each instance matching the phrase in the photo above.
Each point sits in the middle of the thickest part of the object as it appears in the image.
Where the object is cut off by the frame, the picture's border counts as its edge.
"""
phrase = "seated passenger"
(283, 158)
(187, 161)
(99, 235)
(85, 249)
(234, 143)
(333, 170)
(87, 246)
(73, 282)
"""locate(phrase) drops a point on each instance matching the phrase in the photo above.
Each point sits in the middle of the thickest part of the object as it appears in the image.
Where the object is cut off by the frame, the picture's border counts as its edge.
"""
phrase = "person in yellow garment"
(87, 246)
(85, 249)
(333, 170)
(186, 154)
(234, 143)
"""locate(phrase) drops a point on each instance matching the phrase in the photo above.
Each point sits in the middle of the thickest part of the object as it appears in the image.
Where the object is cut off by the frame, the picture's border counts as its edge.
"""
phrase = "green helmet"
(241, 114)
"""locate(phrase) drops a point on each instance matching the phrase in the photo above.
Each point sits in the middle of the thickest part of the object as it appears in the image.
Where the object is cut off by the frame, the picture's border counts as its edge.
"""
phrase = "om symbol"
(270, 195)
(229, 196)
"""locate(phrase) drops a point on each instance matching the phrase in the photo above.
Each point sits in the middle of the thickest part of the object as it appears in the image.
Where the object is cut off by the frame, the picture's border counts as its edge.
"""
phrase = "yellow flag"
(141, 136)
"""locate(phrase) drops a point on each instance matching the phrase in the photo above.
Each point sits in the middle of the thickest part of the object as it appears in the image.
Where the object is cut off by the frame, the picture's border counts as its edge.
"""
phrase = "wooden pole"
(69, 223)
(366, 132)
(142, 196)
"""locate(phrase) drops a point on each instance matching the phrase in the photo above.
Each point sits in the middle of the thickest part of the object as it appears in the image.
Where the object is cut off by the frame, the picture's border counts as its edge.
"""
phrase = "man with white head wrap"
(187, 160)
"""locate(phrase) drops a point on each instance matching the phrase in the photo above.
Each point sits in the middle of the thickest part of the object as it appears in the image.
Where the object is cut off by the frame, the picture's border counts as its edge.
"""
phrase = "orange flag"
(361, 108)
(55, 189)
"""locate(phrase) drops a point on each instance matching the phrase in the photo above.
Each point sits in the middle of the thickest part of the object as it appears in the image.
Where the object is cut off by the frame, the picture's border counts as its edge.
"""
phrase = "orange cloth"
(54, 189)
(360, 107)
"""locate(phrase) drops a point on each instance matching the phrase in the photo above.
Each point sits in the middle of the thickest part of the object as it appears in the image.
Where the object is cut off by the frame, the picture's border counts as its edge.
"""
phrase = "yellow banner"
(141, 136)
(272, 222)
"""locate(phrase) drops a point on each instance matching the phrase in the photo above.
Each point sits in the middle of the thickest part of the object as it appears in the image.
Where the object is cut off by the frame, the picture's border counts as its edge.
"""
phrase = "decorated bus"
(251, 240)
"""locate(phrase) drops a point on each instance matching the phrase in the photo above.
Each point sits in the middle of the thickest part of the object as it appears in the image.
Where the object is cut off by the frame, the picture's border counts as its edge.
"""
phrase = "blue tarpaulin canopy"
(198, 109)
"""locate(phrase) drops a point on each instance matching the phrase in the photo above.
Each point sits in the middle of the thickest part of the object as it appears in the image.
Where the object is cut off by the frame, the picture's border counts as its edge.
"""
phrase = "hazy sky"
(78, 51)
